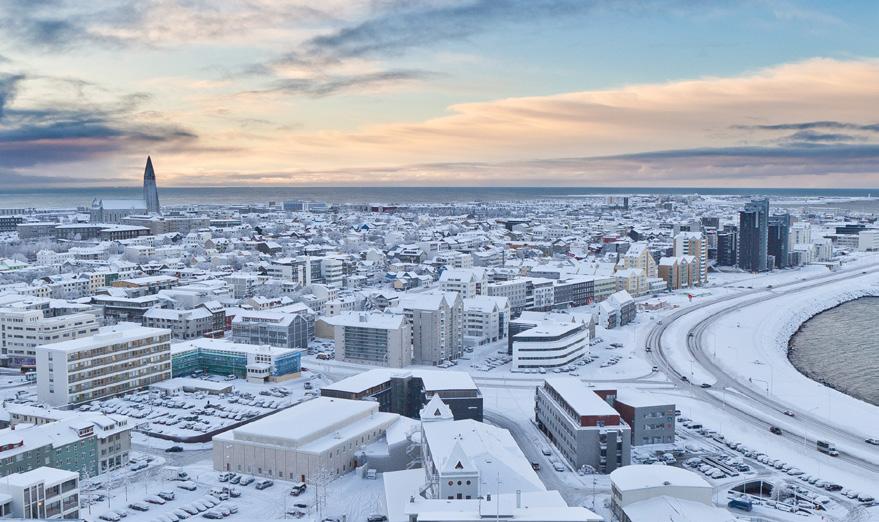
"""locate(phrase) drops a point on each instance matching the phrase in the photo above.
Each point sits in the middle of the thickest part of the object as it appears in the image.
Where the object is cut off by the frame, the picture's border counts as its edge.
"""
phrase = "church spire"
(150, 191)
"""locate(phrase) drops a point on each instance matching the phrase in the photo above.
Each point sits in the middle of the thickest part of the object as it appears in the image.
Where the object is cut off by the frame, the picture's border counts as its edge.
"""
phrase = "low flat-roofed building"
(632, 485)
(406, 391)
(256, 363)
(317, 437)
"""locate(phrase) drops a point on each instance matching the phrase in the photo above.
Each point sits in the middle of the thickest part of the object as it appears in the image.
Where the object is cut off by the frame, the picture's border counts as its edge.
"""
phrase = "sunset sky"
(738, 93)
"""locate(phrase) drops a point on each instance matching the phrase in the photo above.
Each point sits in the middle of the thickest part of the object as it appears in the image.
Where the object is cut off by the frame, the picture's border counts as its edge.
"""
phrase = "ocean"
(838, 347)
(79, 197)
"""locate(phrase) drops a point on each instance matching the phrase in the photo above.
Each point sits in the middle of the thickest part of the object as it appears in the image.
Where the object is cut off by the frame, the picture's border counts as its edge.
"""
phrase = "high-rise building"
(694, 244)
(727, 246)
(754, 236)
(150, 191)
(779, 239)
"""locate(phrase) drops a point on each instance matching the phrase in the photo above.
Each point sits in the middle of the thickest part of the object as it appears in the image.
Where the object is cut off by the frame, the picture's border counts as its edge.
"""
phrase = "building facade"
(116, 360)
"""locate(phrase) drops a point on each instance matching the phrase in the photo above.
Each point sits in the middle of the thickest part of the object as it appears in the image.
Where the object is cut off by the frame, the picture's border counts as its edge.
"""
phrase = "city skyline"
(440, 93)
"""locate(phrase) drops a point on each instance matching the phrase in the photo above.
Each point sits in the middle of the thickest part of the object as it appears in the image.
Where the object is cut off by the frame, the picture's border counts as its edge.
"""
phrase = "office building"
(114, 361)
(245, 361)
(551, 343)
(651, 421)
(586, 430)
(753, 249)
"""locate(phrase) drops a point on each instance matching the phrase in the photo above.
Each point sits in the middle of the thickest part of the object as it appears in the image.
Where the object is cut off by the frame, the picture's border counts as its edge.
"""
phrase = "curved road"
(768, 407)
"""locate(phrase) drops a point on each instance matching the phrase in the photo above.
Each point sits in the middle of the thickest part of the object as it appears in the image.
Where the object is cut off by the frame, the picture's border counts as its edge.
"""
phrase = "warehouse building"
(316, 438)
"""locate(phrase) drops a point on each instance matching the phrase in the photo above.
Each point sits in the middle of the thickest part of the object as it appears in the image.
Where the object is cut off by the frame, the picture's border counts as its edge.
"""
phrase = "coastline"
(874, 294)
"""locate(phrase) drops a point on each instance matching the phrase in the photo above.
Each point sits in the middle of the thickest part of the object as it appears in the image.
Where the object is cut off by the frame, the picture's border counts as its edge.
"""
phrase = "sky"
(675, 93)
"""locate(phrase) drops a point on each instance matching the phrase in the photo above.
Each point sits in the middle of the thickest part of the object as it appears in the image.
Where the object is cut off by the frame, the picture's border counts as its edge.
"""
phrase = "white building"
(631, 485)
(43, 493)
(318, 437)
(468, 282)
(436, 322)
(550, 344)
(868, 240)
(372, 338)
(114, 361)
(485, 318)
(22, 330)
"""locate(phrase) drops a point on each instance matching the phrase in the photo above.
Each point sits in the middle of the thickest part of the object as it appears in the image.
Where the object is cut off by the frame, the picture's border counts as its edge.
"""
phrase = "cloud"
(8, 87)
(358, 83)
(64, 130)
(810, 125)
(413, 24)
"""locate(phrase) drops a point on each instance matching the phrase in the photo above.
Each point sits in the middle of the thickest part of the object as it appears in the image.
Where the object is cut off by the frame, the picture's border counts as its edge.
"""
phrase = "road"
(769, 409)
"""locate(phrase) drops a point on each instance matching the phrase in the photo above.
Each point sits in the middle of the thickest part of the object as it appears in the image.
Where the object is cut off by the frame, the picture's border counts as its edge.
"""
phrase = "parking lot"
(183, 415)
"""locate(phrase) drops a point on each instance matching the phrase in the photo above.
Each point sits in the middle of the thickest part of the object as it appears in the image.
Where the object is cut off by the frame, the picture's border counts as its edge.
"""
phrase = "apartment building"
(201, 321)
(91, 443)
(23, 329)
(436, 323)
(42, 493)
(694, 244)
(485, 319)
(114, 361)
(586, 430)
(372, 338)
(515, 290)
(284, 329)
(469, 282)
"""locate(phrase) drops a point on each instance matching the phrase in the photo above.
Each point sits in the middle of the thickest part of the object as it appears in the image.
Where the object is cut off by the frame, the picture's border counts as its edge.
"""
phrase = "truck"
(827, 448)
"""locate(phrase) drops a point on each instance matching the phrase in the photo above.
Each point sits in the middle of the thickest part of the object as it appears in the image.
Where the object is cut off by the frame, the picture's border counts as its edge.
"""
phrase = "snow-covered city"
(588, 358)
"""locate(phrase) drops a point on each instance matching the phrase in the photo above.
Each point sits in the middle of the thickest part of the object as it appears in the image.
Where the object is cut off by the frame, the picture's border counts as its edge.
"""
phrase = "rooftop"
(583, 400)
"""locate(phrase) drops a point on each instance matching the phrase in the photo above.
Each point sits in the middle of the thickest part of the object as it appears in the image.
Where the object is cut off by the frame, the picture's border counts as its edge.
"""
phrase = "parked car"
(376, 518)
(138, 506)
(174, 449)
(213, 515)
(110, 516)
(167, 495)
(775, 430)
(159, 501)
(264, 483)
(187, 485)
(298, 489)
(246, 481)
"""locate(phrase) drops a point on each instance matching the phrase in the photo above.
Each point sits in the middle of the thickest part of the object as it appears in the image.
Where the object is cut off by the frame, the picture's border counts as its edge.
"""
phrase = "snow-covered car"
(155, 500)
(110, 516)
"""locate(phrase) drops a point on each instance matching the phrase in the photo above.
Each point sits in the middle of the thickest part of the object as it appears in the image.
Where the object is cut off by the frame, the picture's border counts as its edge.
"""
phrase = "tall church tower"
(150, 191)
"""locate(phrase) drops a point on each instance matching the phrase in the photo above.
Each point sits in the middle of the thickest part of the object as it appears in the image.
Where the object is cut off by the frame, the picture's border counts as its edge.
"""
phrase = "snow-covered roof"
(674, 509)
(367, 320)
(644, 476)
(583, 400)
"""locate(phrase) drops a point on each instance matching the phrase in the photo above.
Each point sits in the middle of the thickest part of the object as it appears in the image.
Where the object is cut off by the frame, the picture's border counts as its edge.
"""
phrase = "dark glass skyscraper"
(150, 191)
(727, 246)
(754, 236)
(779, 239)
